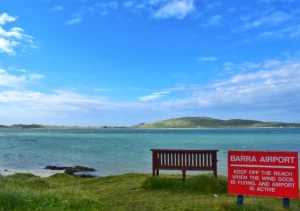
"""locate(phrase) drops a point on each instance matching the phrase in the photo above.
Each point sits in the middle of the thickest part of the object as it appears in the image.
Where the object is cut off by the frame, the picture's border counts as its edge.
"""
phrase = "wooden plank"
(200, 158)
(195, 159)
(162, 158)
(166, 158)
(208, 159)
(180, 162)
(186, 159)
(191, 168)
(174, 159)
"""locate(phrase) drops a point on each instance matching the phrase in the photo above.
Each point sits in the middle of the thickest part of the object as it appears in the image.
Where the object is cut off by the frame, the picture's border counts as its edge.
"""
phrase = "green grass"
(125, 192)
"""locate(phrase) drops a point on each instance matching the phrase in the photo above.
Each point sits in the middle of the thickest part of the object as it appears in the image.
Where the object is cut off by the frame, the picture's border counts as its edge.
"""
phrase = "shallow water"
(118, 151)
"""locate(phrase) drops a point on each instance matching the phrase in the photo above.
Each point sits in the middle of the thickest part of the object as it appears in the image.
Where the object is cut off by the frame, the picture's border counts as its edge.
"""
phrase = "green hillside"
(206, 122)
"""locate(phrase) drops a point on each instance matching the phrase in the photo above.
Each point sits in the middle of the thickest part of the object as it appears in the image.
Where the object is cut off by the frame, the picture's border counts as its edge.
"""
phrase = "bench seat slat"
(185, 168)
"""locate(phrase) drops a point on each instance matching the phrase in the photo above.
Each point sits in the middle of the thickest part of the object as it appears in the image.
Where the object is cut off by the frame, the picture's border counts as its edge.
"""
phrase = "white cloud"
(22, 70)
(270, 84)
(9, 80)
(15, 37)
(13, 32)
(100, 90)
(282, 75)
(35, 76)
(102, 9)
(56, 102)
(7, 46)
(283, 32)
(5, 18)
(268, 19)
(18, 96)
(208, 58)
(74, 21)
(275, 86)
(232, 68)
(175, 9)
(57, 8)
(154, 96)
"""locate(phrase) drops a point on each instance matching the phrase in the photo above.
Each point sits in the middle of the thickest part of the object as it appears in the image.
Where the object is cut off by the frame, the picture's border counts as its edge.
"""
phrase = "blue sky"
(88, 62)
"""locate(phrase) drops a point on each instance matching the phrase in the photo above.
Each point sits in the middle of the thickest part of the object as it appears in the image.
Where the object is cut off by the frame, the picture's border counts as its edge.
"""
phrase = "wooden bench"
(194, 160)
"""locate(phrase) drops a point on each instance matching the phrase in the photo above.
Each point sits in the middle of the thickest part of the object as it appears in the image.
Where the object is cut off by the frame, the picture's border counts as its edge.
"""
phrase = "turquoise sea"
(119, 151)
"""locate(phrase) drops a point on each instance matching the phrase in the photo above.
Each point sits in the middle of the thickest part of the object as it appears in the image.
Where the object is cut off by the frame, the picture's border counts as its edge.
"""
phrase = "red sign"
(272, 174)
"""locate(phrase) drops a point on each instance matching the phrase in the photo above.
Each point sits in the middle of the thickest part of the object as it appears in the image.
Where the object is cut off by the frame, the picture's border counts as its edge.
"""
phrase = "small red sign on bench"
(270, 174)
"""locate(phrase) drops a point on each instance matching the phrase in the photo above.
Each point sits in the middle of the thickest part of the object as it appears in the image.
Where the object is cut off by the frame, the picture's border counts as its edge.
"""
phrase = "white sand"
(40, 173)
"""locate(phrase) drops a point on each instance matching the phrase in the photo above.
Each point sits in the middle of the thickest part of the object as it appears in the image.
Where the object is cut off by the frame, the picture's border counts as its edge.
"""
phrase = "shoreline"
(48, 173)
(40, 173)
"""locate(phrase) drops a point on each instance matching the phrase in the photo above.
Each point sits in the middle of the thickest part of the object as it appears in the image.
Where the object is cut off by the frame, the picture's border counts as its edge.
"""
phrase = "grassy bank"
(125, 192)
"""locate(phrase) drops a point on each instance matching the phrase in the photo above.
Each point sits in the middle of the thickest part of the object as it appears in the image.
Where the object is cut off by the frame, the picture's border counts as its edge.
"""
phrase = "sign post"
(268, 174)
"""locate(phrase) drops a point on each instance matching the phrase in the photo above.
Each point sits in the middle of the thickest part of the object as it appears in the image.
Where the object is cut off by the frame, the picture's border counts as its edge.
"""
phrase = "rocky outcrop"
(74, 171)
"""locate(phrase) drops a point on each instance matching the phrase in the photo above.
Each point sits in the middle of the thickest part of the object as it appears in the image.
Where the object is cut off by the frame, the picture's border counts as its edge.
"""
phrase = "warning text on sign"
(273, 174)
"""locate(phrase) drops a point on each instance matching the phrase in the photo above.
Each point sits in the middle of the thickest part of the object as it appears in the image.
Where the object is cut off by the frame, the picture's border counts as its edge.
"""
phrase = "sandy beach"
(40, 173)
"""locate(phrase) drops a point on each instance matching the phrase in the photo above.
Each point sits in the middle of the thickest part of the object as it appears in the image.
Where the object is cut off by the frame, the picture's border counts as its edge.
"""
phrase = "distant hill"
(206, 122)
(139, 125)
(22, 126)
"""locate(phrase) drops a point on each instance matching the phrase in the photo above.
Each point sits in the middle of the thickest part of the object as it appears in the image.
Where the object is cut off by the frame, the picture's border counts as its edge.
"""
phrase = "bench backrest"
(184, 159)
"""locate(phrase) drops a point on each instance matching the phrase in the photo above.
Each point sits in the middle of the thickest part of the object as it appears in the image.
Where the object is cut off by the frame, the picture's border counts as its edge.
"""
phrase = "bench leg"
(157, 172)
(183, 175)
(153, 172)
(215, 173)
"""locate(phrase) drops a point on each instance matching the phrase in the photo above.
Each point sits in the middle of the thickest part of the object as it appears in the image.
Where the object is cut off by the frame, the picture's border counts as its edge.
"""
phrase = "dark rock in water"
(73, 170)
(5, 169)
(83, 168)
(56, 167)
(69, 170)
